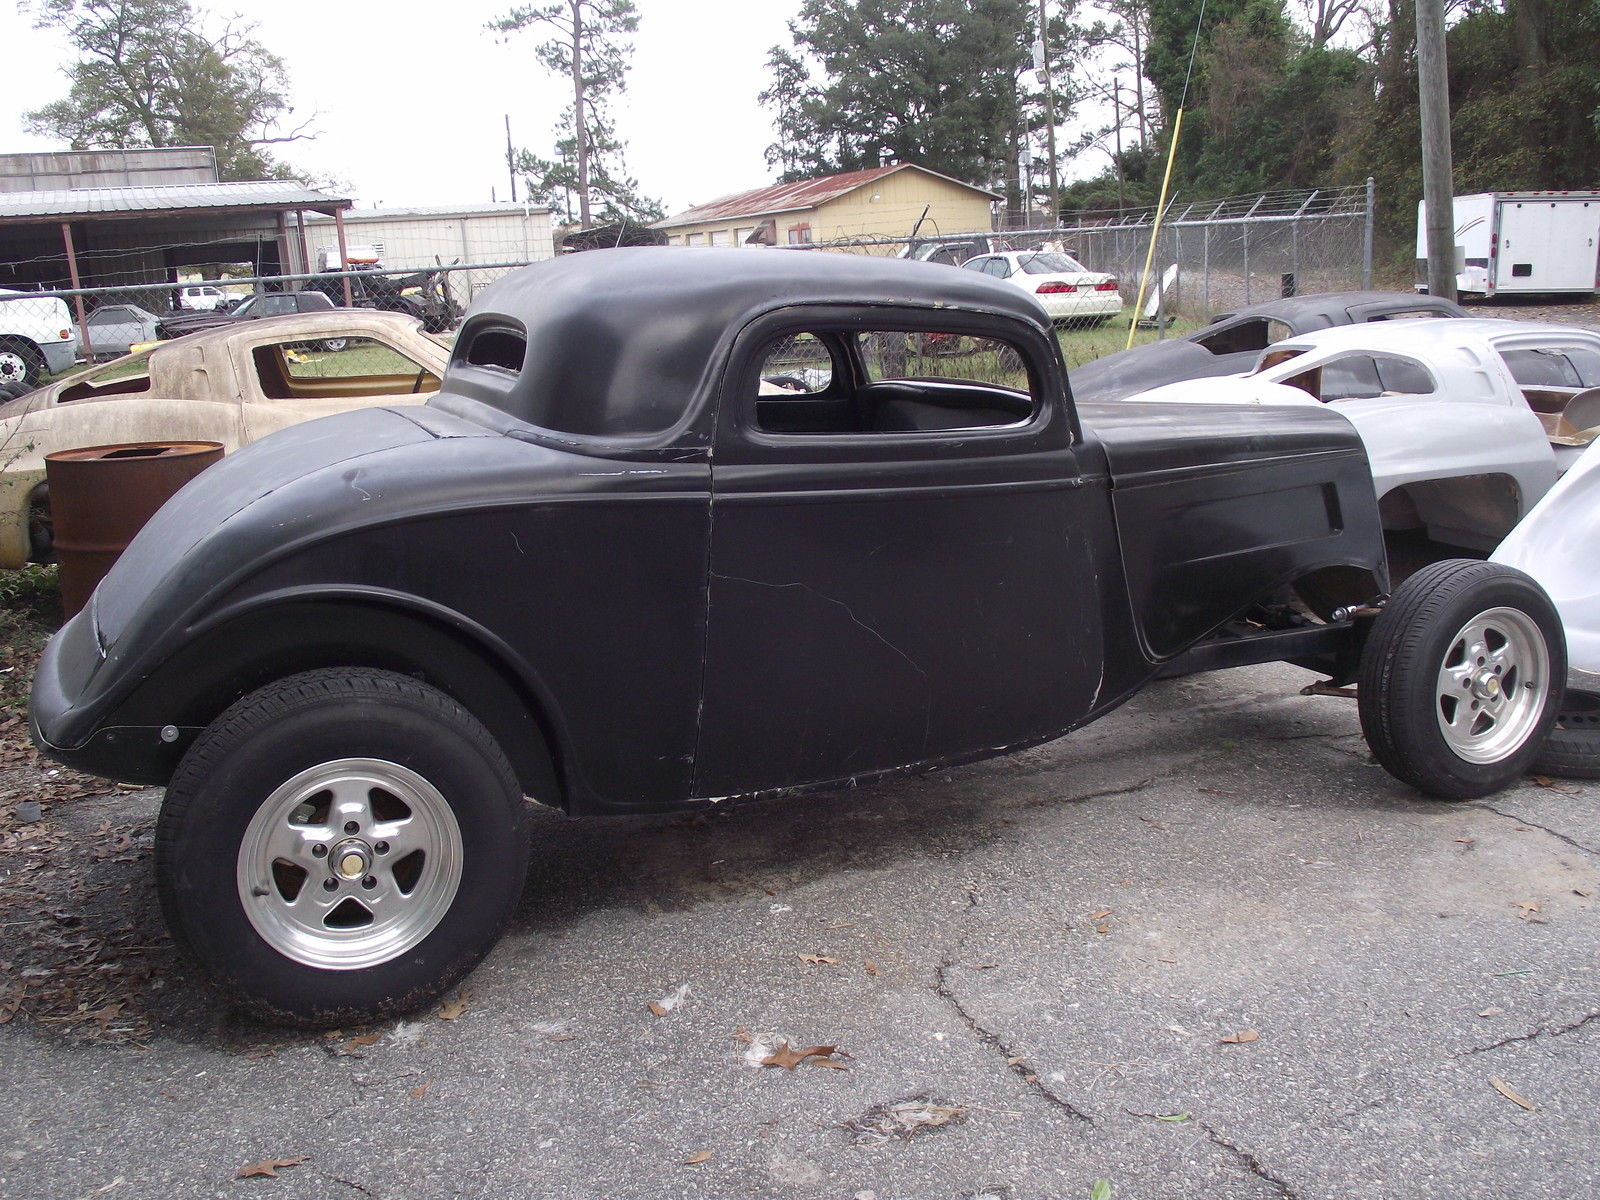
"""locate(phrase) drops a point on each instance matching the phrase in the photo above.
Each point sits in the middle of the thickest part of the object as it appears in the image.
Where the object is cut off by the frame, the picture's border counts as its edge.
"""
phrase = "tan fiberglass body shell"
(203, 387)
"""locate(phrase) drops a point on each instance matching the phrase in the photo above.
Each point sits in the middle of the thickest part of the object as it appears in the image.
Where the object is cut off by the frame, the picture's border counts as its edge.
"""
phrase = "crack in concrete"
(1557, 834)
(1528, 1037)
(993, 1042)
(1249, 1161)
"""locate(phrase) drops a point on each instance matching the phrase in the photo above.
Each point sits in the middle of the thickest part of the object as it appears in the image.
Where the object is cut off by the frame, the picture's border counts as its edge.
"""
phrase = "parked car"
(611, 568)
(1232, 342)
(1070, 292)
(253, 308)
(36, 337)
(1467, 422)
(231, 384)
(198, 296)
(114, 329)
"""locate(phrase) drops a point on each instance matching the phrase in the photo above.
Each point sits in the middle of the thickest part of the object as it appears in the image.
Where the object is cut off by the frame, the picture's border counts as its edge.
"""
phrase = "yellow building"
(882, 202)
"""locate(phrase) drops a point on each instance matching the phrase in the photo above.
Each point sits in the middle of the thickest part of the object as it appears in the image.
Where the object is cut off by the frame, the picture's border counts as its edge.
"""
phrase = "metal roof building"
(144, 234)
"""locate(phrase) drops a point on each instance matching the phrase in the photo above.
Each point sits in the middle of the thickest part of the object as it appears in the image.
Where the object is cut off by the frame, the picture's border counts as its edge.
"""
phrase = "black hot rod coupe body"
(683, 525)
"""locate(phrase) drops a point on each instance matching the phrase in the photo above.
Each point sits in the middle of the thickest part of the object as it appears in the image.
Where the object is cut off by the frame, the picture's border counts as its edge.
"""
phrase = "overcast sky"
(412, 97)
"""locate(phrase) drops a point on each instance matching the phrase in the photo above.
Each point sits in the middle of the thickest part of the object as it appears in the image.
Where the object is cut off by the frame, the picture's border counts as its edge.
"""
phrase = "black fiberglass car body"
(683, 525)
(1232, 342)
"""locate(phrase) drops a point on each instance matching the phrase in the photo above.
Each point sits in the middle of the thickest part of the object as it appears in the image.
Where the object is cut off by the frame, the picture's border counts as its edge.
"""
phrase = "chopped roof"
(111, 202)
(792, 197)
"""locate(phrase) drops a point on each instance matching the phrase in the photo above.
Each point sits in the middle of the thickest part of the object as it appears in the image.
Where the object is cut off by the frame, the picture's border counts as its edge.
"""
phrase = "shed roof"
(185, 199)
(439, 212)
(797, 196)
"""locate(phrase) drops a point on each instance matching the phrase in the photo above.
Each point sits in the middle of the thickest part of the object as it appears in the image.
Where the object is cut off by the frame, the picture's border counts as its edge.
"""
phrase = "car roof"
(1297, 310)
(1429, 333)
(622, 342)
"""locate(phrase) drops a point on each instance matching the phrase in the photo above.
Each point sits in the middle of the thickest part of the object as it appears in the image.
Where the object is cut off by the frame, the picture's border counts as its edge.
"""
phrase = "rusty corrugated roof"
(793, 197)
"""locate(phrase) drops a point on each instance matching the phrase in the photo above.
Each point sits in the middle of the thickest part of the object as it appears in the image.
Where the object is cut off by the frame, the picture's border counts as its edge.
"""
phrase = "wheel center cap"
(1486, 686)
(351, 859)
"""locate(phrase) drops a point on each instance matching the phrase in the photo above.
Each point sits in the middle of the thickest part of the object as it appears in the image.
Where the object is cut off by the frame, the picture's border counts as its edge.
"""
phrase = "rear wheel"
(341, 845)
(1461, 678)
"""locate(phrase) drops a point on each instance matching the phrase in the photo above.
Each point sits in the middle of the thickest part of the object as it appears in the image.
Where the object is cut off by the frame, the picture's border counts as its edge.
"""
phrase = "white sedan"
(1467, 422)
(1070, 292)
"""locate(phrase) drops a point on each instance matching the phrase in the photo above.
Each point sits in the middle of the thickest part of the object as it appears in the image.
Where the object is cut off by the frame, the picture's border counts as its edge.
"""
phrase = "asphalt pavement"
(1203, 948)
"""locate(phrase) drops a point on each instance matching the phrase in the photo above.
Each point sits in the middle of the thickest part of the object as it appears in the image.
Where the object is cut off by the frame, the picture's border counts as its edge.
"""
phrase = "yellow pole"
(1155, 229)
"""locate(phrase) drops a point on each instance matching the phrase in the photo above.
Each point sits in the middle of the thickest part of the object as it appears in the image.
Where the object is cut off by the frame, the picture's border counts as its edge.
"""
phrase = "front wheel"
(1461, 678)
(21, 363)
(341, 845)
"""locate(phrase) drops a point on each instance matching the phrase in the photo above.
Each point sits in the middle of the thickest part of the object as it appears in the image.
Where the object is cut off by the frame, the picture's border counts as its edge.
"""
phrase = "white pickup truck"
(36, 337)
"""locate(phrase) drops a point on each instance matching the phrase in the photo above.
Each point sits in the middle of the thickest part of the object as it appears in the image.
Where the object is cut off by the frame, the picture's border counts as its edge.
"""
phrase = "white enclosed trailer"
(1511, 242)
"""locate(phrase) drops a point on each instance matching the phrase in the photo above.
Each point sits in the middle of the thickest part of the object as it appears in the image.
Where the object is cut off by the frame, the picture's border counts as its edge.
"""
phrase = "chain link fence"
(1211, 256)
(44, 333)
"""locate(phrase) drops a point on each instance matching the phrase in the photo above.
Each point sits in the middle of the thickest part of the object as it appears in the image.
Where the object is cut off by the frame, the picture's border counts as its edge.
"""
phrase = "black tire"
(20, 362)
(332, 345)
(239, 772)
(1572, 751)
(41, 526)
(1418, 637)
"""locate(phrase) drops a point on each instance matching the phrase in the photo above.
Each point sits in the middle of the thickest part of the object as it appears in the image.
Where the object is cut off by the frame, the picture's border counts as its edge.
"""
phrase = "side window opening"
(500, 348)
(1247, 337)
(346, 366)
(892, 382)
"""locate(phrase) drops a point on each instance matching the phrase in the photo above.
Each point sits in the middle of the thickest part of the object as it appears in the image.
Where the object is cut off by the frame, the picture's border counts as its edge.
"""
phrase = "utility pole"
(1042, 61)
(1116, 108)
(511, 160)
(1438, 188)
(580, 118)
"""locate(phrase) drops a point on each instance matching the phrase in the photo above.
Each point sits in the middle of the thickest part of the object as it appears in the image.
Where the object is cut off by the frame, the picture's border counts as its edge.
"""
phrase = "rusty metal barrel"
(100, 496)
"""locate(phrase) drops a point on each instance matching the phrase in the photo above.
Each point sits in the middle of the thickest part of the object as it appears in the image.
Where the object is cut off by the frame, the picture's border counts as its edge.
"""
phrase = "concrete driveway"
(1204, 948)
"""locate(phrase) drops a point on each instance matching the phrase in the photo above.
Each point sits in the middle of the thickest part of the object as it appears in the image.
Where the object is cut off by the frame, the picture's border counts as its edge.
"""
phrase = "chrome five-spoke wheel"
(349, 863)
(1492, 683)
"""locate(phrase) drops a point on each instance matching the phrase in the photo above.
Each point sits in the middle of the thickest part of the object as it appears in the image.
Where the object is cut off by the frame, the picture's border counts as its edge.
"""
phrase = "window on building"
(800, 235)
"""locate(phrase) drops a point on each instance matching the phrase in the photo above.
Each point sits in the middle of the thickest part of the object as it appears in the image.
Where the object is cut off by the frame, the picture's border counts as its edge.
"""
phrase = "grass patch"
(1079, 346)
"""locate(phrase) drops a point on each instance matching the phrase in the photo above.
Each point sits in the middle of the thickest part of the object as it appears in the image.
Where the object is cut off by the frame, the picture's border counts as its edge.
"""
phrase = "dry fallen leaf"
(1529, 910)
(699, 1156)
(454, 1007)
(741, 1036)
(1241, 1038)
(1491, 1012)
(1468, 841)
(1545, 781)
(1015, 1061)
(657, 1008)
(366, 1039)
(1584, 892)
(788, 1058)
(1506, 1090)
(421, 1090)
(268, 1167)
(817, 960)
(1103, 927)
(872, 968)
(1101, 915)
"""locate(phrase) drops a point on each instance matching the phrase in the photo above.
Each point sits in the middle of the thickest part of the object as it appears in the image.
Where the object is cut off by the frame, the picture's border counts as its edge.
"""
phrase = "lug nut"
(319, 851)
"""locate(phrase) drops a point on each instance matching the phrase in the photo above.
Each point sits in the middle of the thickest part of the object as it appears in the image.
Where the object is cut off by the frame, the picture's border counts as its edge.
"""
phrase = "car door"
(901, 568)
